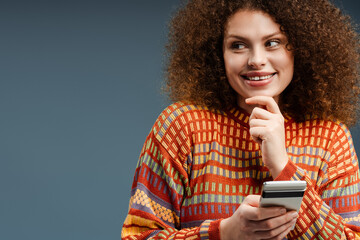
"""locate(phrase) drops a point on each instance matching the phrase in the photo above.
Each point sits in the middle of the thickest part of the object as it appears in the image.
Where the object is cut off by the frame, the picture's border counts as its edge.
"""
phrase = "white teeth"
(260, 78)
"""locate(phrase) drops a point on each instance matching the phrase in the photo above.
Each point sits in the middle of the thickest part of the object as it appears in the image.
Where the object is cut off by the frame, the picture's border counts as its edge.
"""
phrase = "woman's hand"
(267, 129)
(251, 222)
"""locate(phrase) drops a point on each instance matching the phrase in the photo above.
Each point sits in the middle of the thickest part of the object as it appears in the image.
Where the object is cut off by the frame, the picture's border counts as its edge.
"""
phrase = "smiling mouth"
(258, 78)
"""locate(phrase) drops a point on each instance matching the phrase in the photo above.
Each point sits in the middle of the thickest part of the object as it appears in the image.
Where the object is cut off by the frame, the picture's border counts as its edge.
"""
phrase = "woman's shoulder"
(331, 124)
(333, 136)
(181, 114)
(325, 127)
(182, 107)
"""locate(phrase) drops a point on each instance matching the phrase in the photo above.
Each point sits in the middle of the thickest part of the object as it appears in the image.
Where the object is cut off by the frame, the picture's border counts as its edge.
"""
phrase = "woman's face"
(257, 62)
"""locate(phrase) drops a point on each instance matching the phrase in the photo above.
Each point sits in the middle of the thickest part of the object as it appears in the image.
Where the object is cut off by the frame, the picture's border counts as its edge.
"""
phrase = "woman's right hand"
(252, 222)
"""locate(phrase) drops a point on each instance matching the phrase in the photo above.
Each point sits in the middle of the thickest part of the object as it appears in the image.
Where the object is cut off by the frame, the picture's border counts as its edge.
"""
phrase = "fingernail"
(295, 215)
(282, 211)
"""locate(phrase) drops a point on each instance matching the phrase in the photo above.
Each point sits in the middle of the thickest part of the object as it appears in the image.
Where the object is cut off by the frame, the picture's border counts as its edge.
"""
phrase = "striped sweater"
(197, 166)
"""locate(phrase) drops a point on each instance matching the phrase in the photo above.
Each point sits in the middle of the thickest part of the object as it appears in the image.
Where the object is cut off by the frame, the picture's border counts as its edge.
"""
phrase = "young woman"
(262, 91)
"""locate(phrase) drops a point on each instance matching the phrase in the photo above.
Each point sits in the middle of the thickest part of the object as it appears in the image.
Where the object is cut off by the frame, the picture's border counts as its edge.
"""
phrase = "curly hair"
(325, 83)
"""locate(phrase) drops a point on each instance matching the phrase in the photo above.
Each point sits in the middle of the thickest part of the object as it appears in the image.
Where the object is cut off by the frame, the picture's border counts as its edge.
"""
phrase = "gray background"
(79, 91)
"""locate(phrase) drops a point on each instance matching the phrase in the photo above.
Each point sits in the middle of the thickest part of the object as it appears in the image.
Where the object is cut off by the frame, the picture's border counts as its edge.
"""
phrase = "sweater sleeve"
(331, 209)
(160, 185)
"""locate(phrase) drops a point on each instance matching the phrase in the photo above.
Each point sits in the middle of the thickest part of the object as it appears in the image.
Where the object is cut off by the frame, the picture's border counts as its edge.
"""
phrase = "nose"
(257, 58)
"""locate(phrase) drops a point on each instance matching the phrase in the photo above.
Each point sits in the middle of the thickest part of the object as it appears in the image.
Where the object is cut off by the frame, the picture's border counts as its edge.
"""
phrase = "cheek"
(290, 66)
(233, 64)
(288, 61)
(288, 69)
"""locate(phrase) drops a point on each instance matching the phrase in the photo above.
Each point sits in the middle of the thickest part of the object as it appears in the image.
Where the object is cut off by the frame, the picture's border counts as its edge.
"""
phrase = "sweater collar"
(239, 115)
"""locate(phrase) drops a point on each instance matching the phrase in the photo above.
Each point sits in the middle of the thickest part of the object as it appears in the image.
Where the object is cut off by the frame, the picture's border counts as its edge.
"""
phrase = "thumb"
(252, 200)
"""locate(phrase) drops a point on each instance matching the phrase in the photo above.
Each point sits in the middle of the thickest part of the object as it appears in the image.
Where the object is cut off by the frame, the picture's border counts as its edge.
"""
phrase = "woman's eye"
(237, 46)
(273, 43)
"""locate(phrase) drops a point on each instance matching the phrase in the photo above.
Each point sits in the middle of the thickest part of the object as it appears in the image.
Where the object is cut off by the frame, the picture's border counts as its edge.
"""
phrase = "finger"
(286, 232)
(275, 224)
(259, 214)
(252, 200)
(258, 123)
(252, 211)
(277, 233)
(259, 113)
(258, 133)
(268, 102)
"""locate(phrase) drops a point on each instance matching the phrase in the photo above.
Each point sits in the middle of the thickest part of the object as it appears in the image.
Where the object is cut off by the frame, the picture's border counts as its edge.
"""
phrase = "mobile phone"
(286, 194)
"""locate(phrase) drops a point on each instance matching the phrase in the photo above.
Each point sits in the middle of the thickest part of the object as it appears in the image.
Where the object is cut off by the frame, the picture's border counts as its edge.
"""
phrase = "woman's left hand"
(267, 129)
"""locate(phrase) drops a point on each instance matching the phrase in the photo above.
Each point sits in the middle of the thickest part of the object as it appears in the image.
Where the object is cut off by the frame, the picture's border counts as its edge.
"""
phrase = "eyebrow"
(244, 38)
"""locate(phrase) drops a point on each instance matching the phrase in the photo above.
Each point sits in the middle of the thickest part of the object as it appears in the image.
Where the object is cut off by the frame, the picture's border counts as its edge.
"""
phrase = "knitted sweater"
(197, 166)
